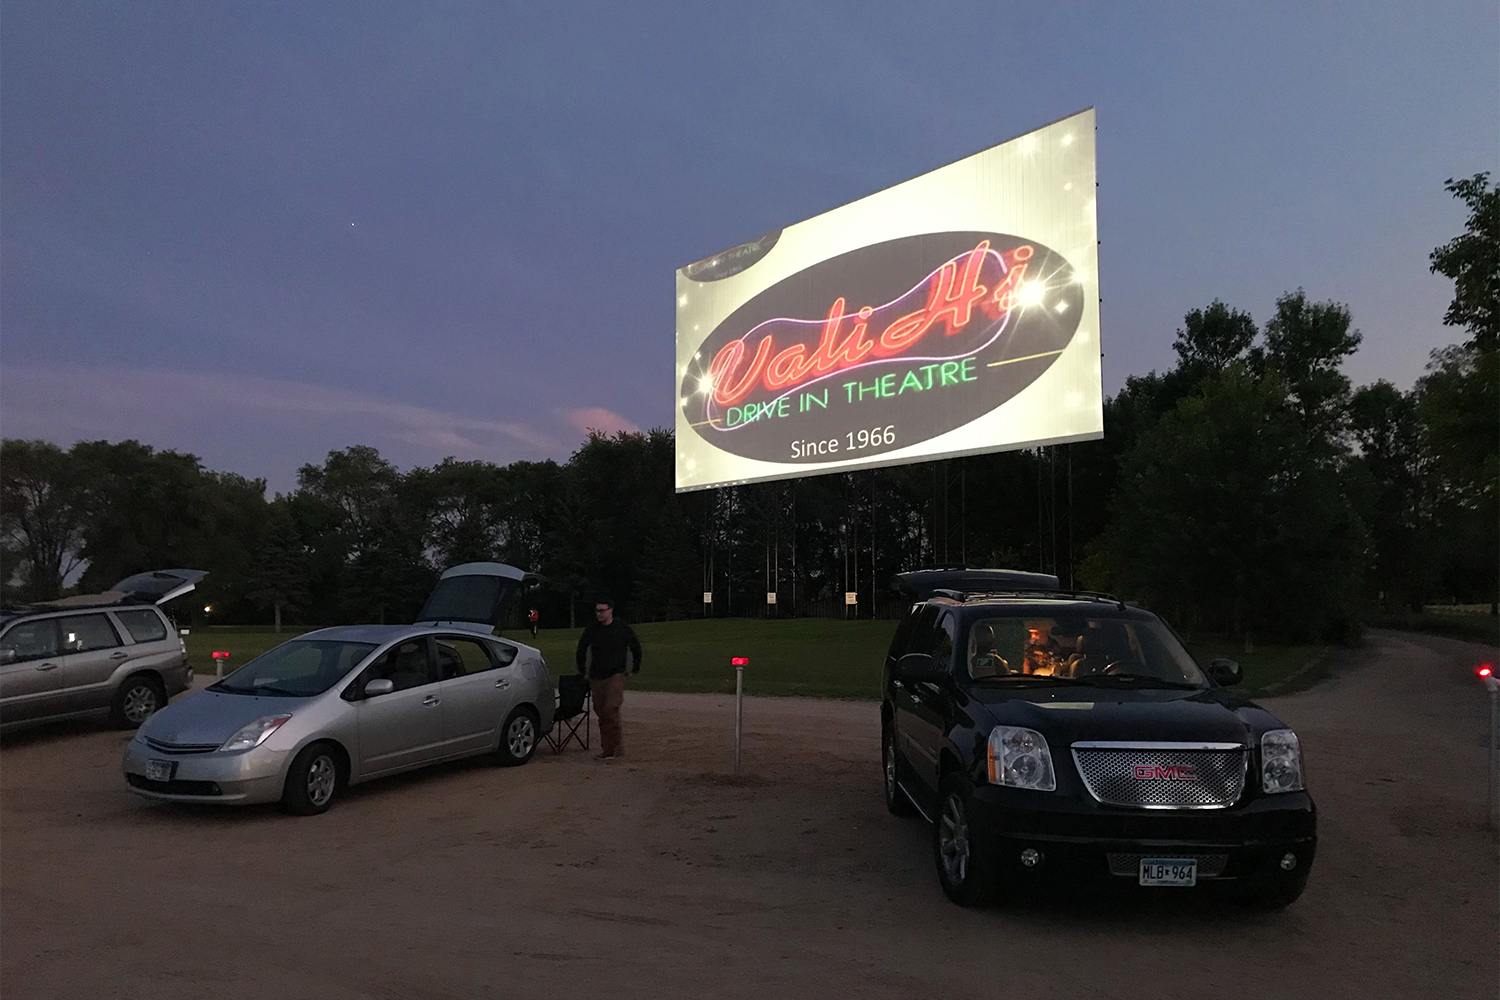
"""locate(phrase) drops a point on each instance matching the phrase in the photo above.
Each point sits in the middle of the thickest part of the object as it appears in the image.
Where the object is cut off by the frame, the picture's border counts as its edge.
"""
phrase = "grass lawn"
(243, 643)
(1265, 665)
(814, 657)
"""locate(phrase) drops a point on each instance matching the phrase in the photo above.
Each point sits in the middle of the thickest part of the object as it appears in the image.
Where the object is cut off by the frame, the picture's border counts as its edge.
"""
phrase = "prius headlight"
(1280, 762)
(255, 733)
(1019, 758)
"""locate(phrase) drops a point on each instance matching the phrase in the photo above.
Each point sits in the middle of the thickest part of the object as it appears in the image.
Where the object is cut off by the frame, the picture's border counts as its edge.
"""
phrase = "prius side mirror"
(1225, 672)
(7, 656)
(379, 686)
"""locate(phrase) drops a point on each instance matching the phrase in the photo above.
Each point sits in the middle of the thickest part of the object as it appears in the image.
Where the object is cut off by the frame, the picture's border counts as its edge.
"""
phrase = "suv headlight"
(1019, 758)
(1280, 762)
(255, 733)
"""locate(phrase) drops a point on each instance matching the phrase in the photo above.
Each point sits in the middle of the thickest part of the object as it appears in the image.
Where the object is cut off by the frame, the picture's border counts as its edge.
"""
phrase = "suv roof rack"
(963, 596)
(73, 603)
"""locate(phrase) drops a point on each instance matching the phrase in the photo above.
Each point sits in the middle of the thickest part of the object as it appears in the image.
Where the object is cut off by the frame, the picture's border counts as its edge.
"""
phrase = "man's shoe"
(604, 756)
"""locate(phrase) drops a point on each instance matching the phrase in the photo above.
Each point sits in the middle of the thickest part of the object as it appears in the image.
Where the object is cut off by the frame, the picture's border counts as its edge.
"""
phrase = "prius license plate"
(1169, 871)
(160, 770)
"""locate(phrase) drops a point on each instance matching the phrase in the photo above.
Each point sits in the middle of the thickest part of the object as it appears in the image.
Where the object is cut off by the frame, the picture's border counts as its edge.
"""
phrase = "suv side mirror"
(379, 686)
(7, 656)
(920, 668)
(1225, 671)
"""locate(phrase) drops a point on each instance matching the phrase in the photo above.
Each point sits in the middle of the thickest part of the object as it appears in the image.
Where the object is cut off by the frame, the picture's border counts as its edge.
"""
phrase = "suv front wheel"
(965, 865)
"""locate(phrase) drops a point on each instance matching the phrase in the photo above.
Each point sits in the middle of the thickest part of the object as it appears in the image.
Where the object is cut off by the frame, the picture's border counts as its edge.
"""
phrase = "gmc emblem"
(1177, 772)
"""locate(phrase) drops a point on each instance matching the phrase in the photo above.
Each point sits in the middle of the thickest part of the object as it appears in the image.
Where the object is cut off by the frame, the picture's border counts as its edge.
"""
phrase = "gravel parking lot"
(661, 876)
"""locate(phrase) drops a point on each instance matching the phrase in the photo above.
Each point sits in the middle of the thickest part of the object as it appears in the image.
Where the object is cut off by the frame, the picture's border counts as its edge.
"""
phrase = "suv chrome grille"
(181, 748)
(1209, 865)
(1163, 775)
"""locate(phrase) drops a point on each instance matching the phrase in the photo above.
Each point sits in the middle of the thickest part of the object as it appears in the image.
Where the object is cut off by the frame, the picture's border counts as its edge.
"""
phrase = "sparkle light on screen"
(954, 314)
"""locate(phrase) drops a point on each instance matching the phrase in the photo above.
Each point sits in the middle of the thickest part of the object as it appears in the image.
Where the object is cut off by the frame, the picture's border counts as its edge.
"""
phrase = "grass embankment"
(1471, 622)
(813, 657)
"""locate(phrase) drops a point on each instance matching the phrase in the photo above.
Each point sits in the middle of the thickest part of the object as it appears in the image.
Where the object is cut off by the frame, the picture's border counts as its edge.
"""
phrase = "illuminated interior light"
(1031, 293)
(682, 300)
(1067, 140)
(1028, 144)
(1082, 336)
(1068, 186)
(1061, 307)
(697, 355)
(706, 383)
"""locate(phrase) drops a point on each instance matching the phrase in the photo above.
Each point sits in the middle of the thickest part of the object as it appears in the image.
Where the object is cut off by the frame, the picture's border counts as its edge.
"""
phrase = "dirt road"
(659, 877)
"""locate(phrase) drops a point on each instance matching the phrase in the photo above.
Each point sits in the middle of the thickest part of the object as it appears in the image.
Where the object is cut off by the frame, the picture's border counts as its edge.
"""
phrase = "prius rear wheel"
(518, 737)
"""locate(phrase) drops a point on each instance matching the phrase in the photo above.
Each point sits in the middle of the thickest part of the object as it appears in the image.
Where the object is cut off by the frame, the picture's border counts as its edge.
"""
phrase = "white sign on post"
(770, 597)
(851, 597)
(708, 597)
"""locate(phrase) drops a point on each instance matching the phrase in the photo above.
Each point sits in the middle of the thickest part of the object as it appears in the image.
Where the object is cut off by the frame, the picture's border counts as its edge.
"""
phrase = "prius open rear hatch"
(473, 596)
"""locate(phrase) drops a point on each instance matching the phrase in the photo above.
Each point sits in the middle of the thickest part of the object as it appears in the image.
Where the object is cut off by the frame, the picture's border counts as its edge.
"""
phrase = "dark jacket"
(609, 643)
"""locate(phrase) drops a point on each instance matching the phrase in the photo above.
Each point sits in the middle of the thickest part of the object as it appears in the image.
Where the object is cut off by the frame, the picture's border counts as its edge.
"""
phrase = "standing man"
(608, 669)
(532, 618)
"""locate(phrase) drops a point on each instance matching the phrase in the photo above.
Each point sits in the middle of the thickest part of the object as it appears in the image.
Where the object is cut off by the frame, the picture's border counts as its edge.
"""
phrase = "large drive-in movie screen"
(953, 314)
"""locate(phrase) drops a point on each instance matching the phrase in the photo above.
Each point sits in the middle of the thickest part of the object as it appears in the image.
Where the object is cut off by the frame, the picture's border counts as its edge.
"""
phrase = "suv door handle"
(118, 656)
(430, 700)
(48, 666)
(502, 683)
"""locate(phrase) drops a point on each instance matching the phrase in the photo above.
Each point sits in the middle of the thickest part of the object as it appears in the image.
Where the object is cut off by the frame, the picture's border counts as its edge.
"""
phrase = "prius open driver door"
(473, 596)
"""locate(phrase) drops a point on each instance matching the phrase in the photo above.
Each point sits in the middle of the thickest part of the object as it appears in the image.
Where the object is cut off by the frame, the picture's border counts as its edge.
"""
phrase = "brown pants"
(608, 695)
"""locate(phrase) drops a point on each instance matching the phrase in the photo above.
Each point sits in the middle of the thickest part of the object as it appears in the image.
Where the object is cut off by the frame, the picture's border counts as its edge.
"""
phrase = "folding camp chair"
(573, 713)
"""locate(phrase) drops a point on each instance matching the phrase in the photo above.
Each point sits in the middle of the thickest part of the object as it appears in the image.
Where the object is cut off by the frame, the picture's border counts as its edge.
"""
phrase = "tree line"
(1250, 488)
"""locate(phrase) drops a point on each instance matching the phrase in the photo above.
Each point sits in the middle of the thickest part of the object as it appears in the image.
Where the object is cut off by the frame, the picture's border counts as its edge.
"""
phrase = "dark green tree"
(279, 577)
(1391, 481)
(1224, 518)
(1212, 339)
(1472, 261)
(156, 509)
(372, 538)
(44, 514)
(1306, 344)
(1459, 398)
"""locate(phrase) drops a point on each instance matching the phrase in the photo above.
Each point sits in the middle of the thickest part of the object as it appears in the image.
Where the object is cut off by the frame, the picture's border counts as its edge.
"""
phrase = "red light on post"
(1484, 670)
(221, 655)
(739, 661)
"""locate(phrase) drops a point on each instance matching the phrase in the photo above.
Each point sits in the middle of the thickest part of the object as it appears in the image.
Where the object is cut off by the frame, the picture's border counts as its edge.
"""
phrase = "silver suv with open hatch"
(113, 654)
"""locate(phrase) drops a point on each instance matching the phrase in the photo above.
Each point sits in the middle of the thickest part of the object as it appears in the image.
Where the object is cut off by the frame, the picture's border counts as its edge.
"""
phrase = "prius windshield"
(1089, 650)
(297, 669)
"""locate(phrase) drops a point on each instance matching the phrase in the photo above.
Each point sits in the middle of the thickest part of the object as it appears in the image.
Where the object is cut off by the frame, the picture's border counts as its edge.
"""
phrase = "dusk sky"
(258, 232)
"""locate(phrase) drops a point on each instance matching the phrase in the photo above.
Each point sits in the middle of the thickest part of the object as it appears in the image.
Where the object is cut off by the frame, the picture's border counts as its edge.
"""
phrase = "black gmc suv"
(1051, 733)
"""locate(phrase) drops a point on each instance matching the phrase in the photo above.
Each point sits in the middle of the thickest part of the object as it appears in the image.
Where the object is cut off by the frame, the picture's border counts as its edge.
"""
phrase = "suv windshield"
(300, 668)
(1084, 649)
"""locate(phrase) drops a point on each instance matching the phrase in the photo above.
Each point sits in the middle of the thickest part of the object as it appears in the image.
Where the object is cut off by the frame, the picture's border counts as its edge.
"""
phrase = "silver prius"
(342, 705)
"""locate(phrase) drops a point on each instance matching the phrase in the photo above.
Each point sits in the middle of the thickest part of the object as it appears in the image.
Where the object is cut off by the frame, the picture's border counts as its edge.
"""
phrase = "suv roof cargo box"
(920, 584)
